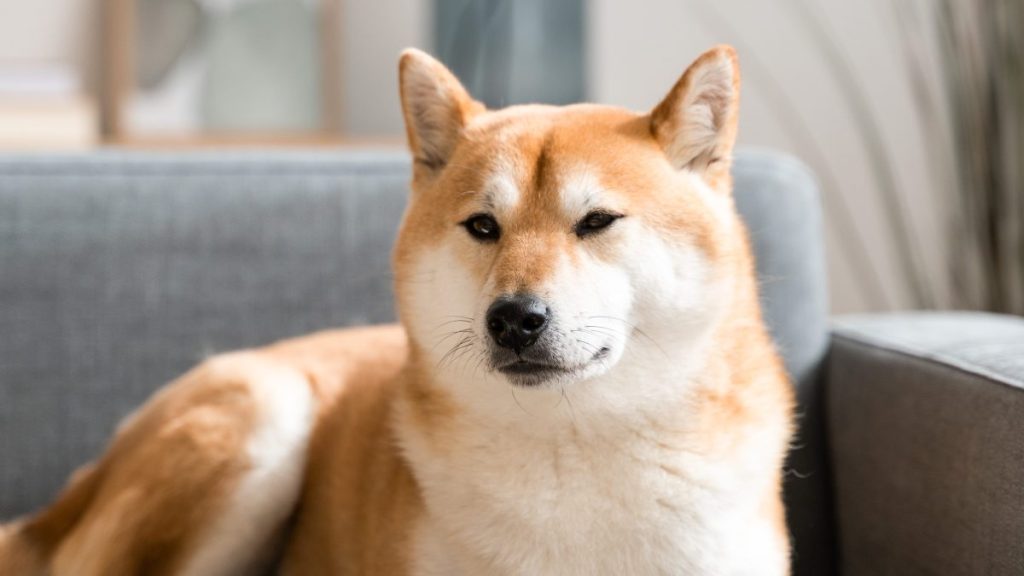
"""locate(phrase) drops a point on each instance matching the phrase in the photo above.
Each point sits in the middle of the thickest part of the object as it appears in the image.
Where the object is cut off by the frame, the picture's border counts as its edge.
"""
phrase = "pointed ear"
(696, 123)
(435, 105)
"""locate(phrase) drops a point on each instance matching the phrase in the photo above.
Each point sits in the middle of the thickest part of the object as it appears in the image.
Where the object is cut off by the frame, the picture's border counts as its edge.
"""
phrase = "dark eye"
(482, 227)
(595, 222)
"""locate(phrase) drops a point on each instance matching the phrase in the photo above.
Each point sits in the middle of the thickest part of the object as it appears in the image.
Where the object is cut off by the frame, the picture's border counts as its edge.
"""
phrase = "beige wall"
(374, 32)
(637, 50)
(51, 31)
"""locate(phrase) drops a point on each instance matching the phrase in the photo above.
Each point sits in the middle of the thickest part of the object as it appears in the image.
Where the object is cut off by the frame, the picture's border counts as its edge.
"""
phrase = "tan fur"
(139, 508)
(167, 474)
(359, 501)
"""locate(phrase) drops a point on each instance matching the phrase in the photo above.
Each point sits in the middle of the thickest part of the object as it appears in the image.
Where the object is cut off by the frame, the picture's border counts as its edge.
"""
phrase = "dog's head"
(553, 245)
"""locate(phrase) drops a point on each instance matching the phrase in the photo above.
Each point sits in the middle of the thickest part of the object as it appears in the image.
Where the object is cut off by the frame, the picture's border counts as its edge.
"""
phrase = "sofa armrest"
(926, 430)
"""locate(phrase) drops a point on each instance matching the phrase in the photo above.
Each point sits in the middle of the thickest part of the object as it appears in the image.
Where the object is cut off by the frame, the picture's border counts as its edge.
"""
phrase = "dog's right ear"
(696, 123)
(436, 108)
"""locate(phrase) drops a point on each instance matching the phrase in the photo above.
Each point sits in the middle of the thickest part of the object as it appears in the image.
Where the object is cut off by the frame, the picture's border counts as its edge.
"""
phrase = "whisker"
(525, 411)
(590, 347)
(638, 331)
(480, 362)
(465, 354)
(467, 331)
(572, 409)
(466, 341)
(606, 329)
(591, 332)
(456, 321)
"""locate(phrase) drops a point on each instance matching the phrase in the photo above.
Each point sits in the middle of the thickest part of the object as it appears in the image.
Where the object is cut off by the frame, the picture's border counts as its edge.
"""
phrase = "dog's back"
(204, 478)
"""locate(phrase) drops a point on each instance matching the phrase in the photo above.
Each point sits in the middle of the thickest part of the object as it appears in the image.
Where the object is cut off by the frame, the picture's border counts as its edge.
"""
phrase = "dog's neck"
(664, 424)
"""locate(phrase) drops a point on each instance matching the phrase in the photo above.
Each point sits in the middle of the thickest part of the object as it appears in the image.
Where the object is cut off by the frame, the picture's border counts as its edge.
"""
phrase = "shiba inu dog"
(581, 384)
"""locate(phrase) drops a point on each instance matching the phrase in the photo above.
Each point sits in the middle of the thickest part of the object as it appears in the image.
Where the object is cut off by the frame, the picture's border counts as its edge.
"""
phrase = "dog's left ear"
(696, 123)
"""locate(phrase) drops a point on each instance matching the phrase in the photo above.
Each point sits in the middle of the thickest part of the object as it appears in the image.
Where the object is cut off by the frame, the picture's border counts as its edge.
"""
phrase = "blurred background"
(911, 112)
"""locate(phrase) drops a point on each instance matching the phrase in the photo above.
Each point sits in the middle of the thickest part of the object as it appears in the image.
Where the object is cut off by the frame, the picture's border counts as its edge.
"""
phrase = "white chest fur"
(568, 499)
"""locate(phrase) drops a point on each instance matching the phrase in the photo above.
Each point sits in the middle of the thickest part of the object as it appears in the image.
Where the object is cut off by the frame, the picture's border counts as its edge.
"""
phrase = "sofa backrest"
(118, 271)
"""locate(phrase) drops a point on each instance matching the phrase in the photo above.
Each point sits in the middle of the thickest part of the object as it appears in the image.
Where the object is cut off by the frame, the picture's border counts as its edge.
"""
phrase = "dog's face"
(544, 245)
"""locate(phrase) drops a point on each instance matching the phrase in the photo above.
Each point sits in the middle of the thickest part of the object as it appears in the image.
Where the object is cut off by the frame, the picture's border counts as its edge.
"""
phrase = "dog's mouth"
(527, 371)
(526, 367)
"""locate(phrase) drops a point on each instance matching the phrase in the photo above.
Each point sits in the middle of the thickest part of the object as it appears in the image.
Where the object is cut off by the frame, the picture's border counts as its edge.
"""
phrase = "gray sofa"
(118, 271)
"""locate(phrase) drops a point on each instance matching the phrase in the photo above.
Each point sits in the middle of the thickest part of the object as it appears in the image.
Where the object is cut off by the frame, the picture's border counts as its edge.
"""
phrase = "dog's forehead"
(571, 187)
(565, 158)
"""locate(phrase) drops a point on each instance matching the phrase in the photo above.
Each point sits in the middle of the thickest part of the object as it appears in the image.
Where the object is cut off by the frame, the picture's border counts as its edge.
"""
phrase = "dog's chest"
(570, 507)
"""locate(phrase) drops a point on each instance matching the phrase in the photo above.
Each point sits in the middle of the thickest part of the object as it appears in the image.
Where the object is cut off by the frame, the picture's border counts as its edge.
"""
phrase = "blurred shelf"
(48, 123)
(254, 141)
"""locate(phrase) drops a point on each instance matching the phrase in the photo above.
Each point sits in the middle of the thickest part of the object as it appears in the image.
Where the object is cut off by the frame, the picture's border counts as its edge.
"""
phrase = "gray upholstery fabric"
(118, 271)
(926, 420)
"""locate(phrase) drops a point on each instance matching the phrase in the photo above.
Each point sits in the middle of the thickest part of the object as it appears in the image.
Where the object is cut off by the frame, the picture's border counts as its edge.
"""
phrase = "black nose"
(517, 321)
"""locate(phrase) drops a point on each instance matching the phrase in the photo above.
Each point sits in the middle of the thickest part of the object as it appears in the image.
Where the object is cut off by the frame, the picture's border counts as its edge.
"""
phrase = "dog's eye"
(595, 222)
(482, 227)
